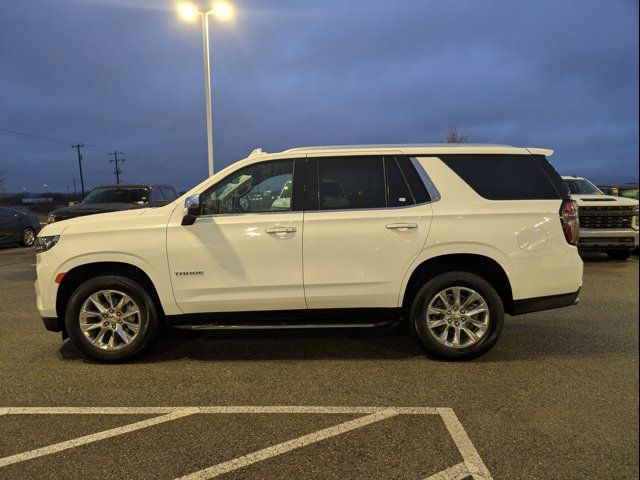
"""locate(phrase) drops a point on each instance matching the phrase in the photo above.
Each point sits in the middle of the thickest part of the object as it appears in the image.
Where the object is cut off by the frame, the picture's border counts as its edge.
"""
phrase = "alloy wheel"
(110, 320)
(457, 317)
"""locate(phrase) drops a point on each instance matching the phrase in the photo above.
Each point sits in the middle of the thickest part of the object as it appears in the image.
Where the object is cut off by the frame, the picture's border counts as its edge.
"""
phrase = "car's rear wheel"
(619, 254)
(28, 237)
(457, 316)
(111, 318)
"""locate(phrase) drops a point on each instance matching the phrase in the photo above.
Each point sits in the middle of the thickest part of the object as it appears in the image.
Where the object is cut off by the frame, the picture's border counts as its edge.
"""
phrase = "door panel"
(231, 263)
(357, 259)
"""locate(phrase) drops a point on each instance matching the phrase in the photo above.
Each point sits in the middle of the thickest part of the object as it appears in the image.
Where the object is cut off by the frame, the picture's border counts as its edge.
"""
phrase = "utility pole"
(115, 160)
(75, 191)
(77, 147)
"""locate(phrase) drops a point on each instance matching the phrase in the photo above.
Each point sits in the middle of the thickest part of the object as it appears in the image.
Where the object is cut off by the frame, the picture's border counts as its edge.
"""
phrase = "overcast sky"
(127, 75)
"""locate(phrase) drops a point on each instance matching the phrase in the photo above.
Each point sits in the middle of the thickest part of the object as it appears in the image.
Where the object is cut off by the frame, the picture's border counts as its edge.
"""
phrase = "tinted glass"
(156, 195)
(262, 187)
(5, 214)
(117, 195)
(417, 186)
(351, 183)
(503, 177)
(169, 193)
(398, 192)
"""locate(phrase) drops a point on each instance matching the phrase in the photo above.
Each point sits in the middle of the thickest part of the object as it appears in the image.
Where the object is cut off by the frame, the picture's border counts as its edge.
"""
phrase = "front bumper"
(597, 238)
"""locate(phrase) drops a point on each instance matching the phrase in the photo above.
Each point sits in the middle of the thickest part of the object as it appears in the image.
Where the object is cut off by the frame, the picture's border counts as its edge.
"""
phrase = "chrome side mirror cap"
(192, 204)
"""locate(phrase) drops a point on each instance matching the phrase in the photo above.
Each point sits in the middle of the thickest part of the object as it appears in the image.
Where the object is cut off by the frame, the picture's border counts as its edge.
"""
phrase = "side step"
(284, 325)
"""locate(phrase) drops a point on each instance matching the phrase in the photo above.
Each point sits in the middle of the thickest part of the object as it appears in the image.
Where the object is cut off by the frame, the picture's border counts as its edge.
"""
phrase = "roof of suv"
(416, 149)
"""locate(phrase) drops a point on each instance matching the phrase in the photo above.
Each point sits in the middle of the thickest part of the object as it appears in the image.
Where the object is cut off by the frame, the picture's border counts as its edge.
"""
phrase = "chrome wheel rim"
(458, 317)
(110, 320)
(28, 237)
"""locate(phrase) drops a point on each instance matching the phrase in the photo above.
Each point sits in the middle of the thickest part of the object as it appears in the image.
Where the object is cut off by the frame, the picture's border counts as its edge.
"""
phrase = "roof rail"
(257, 151)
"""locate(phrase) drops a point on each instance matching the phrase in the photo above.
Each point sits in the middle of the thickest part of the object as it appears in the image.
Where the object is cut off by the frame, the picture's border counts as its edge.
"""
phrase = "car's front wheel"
(111, 318)
(28, 238)
(457, 316)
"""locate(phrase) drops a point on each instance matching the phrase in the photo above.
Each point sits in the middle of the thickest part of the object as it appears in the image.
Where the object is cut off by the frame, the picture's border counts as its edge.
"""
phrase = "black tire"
(452, 279)
(149, 318)
(619, 255)
(28, 238)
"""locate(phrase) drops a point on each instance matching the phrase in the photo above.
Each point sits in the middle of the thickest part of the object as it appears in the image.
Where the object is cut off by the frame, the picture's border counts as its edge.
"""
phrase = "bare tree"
(455, 136)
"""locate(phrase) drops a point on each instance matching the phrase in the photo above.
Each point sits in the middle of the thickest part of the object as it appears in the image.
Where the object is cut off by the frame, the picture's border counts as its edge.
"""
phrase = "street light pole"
(207, 86)
(223, 11)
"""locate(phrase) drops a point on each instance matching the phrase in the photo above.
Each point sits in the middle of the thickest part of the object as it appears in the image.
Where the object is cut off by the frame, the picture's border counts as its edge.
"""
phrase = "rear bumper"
(529, 305)
(596, 238)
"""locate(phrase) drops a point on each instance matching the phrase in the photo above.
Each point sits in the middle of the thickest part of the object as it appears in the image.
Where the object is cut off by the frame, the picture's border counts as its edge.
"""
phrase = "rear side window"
(351, 183)
(398, 191)
(505, 177)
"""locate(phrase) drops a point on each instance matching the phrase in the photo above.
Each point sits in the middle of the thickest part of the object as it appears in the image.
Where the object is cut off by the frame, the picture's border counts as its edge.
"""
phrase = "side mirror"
(160, 203)
(192, 204)
(73, 204)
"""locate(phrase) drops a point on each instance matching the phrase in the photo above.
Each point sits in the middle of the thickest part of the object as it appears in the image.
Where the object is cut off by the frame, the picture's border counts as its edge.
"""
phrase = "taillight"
(570, 221)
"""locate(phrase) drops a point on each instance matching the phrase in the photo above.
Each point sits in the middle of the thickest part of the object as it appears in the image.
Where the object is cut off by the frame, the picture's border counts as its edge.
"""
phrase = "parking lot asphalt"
(556, 398)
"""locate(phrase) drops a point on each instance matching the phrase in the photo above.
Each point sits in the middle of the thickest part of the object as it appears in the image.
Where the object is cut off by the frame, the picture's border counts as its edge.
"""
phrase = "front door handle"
(392, 226)
(280, 229)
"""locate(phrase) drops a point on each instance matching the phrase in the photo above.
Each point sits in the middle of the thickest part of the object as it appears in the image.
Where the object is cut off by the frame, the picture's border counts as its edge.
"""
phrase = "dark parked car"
(113, 198)
(18, 227)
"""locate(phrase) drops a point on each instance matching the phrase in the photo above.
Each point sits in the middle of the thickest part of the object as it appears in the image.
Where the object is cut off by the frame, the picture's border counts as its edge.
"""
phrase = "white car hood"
(603, 201)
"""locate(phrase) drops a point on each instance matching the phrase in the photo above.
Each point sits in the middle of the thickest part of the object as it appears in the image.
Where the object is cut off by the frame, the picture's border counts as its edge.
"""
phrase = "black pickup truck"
(114, 198)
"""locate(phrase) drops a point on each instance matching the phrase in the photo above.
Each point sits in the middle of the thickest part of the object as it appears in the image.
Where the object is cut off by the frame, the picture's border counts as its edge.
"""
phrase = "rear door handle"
(392, 226)
(280, 229)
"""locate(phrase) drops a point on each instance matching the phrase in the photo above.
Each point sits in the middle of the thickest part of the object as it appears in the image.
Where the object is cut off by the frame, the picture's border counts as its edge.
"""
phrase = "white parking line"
(94, 437)
(284, 447)
(472, 459)
(472, 464)
(457, 472)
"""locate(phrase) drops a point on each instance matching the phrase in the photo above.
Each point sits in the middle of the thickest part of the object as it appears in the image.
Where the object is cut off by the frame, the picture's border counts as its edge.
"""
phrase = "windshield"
(580, 186)
(137, 196)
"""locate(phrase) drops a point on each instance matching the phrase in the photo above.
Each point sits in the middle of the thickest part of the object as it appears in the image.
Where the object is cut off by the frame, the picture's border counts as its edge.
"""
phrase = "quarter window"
(262, 187)
(398, 192)
(351, 183)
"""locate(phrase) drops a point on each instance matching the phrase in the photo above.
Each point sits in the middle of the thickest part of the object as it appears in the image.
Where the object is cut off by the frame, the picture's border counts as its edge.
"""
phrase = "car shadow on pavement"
(220, 346)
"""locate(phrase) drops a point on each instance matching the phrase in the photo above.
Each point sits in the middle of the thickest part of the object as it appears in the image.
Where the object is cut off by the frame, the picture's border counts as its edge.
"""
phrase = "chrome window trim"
(424, 176)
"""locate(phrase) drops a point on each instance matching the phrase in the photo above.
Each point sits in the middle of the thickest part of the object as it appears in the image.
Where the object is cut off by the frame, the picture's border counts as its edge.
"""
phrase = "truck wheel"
(111, 318)
(457, 316)
(619, 254)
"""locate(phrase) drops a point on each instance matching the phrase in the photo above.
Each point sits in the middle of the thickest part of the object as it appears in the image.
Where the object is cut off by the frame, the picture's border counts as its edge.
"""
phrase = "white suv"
(448, 237)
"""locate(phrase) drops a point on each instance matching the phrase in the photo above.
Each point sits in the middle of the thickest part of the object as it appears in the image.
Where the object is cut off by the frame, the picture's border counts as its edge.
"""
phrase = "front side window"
(351, 183)
(262, 187)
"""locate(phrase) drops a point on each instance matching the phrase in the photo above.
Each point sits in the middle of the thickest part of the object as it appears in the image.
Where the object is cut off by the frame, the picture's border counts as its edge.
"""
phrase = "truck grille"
(606, 217)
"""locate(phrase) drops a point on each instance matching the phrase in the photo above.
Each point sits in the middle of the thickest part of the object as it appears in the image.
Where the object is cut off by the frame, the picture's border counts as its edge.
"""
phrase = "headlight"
(634, 219)
(51, 219)
(45, 243)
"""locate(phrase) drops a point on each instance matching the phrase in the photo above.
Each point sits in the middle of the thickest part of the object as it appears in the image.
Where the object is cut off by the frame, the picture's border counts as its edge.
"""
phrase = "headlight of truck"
(634, 220)
(46, 243)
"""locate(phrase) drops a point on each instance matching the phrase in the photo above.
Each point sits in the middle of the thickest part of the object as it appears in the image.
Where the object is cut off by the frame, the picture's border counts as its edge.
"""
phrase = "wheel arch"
(481, 265)
(74, 277)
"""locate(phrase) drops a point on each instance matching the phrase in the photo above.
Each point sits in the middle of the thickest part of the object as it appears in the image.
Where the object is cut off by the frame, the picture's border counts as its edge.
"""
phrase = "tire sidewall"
(148, 317)
(462, 279)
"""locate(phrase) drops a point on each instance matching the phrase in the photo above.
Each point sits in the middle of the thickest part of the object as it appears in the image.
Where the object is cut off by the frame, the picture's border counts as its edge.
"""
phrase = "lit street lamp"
(223, 11)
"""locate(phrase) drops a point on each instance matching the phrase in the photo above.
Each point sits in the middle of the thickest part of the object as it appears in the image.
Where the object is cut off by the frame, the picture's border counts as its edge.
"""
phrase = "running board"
(284, 325)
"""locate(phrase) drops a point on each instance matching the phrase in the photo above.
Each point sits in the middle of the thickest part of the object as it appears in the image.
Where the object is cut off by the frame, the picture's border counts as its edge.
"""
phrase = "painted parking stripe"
(457, 472)
(285, 447)
(76, 442)
(470, 455)
(212, 410)
(473, 464)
